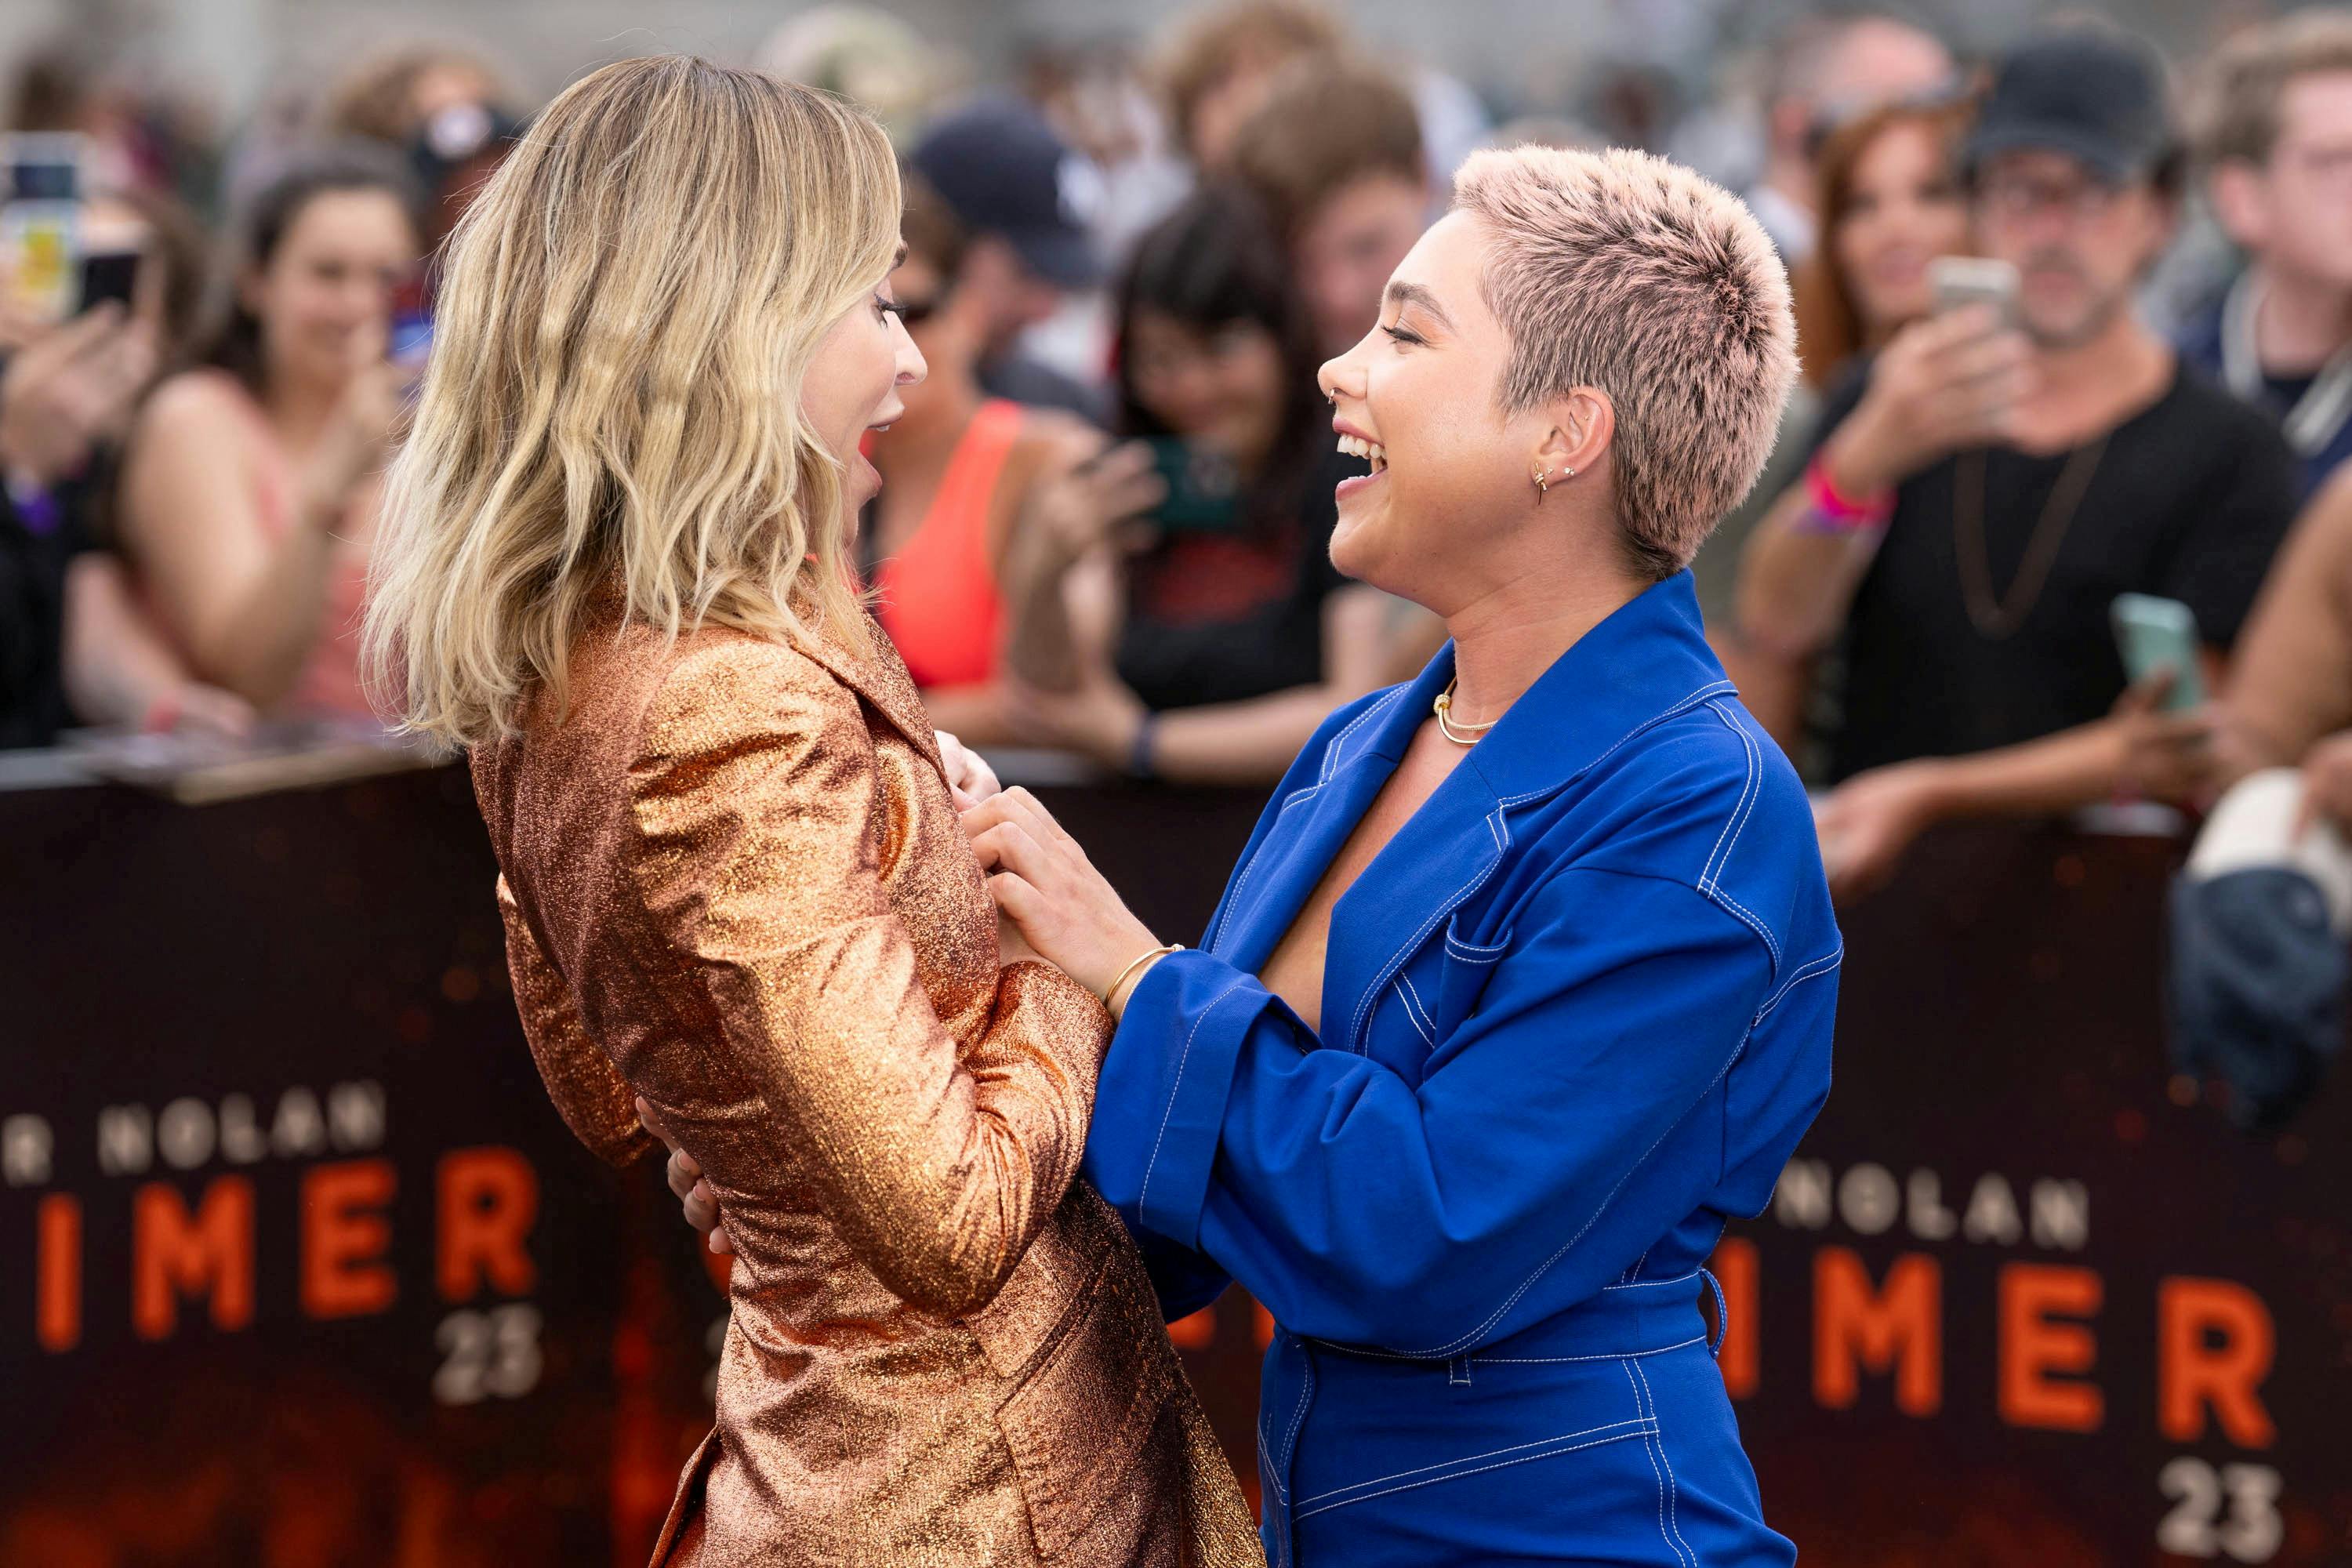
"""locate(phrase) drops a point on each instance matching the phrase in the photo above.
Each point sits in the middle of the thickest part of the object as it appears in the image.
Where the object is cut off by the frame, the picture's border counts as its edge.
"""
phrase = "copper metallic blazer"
(733, 882)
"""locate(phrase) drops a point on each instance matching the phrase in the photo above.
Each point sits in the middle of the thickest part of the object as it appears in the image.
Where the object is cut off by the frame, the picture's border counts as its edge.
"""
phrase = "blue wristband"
(1138, 757)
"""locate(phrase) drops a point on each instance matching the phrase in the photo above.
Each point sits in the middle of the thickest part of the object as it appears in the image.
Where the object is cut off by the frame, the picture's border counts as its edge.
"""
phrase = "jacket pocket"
(1079, 1423)
(1464, 965)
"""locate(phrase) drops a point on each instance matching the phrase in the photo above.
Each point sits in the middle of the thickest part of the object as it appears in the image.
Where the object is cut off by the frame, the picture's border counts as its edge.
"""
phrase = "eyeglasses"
(2016, 196)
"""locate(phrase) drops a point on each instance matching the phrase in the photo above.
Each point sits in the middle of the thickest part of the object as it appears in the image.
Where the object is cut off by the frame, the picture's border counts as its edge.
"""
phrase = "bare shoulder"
(196, 408)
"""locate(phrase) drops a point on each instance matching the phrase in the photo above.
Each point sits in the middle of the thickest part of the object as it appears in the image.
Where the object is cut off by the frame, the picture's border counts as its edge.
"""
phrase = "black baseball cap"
(1001, 169)
(2091, 93)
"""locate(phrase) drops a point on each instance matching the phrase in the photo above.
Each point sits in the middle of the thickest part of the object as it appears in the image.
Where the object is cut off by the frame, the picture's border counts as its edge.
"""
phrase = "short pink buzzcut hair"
(1624, 272)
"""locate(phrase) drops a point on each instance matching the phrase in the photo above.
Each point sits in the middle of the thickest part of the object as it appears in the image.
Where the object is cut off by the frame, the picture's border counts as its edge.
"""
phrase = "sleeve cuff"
(1162, 1102)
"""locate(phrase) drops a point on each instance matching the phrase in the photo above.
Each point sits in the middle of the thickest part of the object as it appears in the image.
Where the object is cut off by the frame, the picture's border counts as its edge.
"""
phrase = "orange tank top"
(939, 599)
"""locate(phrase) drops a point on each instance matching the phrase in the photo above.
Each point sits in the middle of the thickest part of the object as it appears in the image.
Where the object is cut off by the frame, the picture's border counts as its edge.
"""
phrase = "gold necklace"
(1469, 733)
(1995, 616)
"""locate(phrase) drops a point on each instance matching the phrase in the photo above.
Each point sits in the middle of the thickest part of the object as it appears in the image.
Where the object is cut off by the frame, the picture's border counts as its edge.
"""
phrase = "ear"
(1578, 431)
(250, 289)
(2238, 193)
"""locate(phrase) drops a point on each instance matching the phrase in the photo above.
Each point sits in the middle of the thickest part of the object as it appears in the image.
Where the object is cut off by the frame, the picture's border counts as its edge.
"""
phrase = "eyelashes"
(1400, 335)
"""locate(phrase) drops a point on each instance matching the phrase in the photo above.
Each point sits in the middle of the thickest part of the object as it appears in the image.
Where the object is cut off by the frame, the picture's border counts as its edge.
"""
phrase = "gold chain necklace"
(1443, 707)
(1998, 615)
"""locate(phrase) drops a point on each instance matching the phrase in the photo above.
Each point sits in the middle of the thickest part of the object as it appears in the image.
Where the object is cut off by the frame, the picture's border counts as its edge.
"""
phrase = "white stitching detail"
(1457, 1475)
(1250, 870)
(1653, 1284)
(1290, 1438)
(1471, 1458)
(1750, 790)
(1651, 1454)
(1445, 909)
(1331, 763)
(1440, 1352)
(1176, 1085)
(1679, 709)
(1673, 1487)
(1822, 965)
(1552, 1359)
(1416, 1009)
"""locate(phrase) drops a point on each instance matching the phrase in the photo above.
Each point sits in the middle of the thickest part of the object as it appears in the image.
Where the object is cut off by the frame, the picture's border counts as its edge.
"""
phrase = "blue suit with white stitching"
(1575, 1015)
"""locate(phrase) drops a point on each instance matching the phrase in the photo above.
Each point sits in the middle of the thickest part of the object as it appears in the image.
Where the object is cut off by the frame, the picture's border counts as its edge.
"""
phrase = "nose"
(1341, 376)
(912, 366)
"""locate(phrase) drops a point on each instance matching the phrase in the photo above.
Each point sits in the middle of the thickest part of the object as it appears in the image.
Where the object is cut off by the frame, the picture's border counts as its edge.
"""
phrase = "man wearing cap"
(1976, 500)
(1024, 198)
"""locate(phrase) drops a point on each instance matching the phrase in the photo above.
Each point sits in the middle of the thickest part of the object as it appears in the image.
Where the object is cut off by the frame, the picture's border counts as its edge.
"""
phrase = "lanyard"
(2319, 414)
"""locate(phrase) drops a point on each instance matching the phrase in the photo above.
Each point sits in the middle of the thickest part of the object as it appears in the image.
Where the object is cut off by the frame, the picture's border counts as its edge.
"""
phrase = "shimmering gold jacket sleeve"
(756, 855)
(589, 1094)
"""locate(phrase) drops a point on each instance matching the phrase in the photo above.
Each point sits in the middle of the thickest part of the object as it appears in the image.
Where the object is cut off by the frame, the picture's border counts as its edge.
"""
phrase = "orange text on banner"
(1900, 1325)
(174, 1253)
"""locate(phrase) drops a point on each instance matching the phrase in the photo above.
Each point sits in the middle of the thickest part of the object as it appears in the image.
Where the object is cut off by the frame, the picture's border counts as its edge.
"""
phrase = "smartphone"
(2155, 634)
(1204, 488)
(40, 221)
(107, 275)
(1958, 281)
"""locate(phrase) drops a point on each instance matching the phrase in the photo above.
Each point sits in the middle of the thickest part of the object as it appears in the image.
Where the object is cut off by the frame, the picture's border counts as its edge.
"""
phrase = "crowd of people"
(1105, 513)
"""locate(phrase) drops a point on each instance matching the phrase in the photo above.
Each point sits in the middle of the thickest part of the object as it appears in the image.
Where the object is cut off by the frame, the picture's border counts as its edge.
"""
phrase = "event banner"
(301, 1267)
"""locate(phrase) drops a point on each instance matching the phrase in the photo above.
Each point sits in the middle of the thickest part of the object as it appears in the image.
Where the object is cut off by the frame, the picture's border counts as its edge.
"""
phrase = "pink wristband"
(1841, 513)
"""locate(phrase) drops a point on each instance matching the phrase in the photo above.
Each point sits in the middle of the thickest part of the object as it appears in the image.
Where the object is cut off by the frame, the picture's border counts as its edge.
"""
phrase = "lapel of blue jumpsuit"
(1646, 660)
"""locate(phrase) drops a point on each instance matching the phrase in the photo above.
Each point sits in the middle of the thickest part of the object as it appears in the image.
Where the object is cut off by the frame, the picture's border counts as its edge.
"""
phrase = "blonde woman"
(732, 875)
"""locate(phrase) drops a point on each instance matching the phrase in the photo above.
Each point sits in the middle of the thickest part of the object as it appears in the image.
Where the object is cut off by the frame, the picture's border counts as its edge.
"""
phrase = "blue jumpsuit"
(1575, 1015)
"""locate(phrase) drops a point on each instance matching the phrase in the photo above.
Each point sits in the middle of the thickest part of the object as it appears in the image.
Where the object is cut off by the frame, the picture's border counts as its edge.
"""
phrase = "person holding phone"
(1977, 502)
(1180, 615)
(249, 485)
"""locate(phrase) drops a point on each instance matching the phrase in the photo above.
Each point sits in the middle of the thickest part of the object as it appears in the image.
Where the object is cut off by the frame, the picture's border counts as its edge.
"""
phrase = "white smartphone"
(1957, 280)
(2155, 634)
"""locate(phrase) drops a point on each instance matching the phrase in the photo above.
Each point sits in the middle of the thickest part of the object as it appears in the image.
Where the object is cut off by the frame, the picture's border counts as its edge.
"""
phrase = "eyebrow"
(1418, 294)
(900, 259)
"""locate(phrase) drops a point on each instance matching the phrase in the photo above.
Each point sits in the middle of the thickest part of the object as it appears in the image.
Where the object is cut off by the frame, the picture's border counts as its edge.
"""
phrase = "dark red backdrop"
(298, 1267)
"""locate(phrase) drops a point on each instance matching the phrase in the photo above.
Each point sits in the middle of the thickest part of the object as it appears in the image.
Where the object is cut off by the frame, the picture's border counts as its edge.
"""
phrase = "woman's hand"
(970, 778)
(1045, 885)
(1099, 720)
(1869, 821)
(1082, 505)
(696, 1200)
(1941, 385)
(359, 432)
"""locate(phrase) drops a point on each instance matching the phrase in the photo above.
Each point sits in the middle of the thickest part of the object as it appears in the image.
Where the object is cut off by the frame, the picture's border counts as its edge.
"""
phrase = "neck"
(2299, 322)
(1503, 641)
(298, 409)
(2112, 362)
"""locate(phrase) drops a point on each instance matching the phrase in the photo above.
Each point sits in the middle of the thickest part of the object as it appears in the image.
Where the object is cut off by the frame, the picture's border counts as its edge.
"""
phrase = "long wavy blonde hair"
(625, 318)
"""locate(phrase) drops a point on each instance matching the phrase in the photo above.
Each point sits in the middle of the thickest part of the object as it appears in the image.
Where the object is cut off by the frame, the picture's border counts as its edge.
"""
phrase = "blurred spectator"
(62, 394)
(1023, 200)
(958, 469)
(1096, 97)
(1890, 202)
(1209, 650)
(443, 109)
(869, 55)
(1335, 156)
(1983, 494)
(250, 484)
(2288, 701)
(1826, 70)
(2276, 139)
(1217, 67)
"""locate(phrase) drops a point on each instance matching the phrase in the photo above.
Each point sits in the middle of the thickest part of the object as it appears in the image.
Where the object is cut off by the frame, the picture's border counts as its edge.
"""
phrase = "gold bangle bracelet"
(1141, 958)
